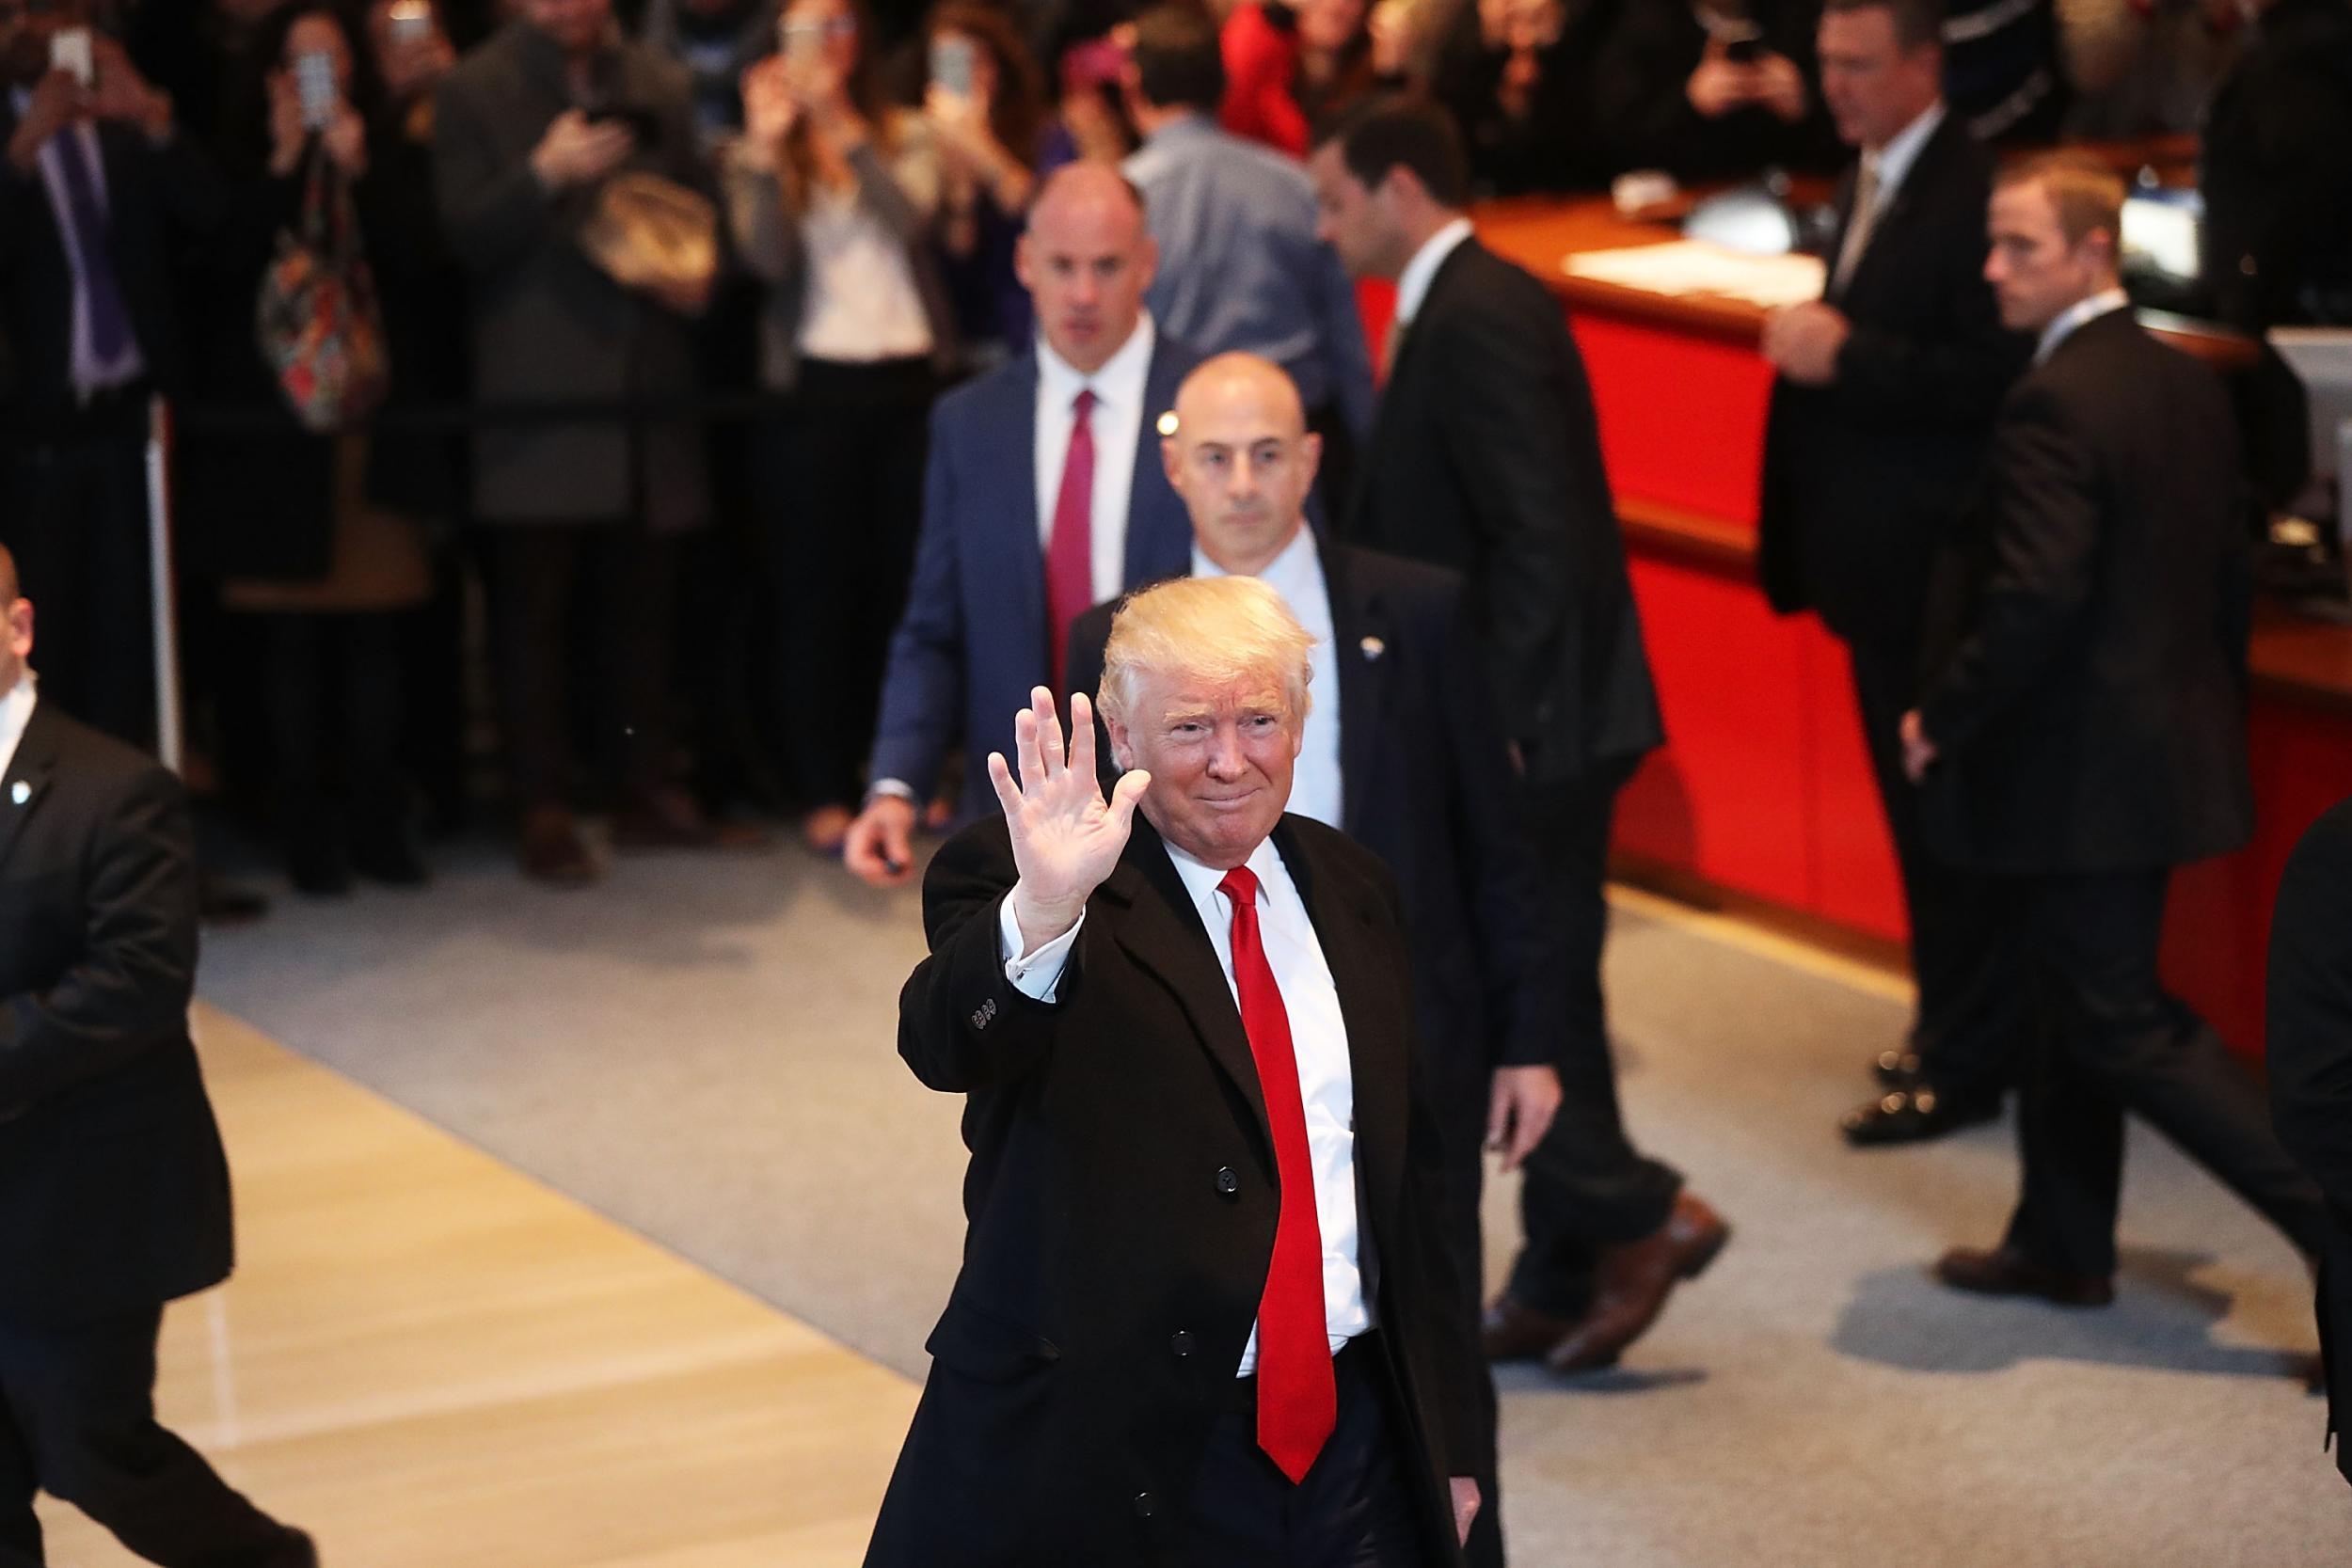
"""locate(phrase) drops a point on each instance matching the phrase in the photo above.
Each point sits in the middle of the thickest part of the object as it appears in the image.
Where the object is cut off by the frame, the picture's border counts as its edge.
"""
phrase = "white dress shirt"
(1117, 424)
(1412, 284)
(1296, 573)
(2077, 316)
(90, 373)
(1327, 1082)
(16, 711)
(1902, 150)
(860, 303)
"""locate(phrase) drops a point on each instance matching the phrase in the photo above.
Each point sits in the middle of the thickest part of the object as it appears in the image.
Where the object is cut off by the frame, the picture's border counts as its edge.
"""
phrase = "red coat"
(1260, 74)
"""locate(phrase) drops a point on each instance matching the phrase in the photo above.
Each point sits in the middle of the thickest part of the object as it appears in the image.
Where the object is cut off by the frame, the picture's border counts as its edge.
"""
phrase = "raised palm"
(1065, 836)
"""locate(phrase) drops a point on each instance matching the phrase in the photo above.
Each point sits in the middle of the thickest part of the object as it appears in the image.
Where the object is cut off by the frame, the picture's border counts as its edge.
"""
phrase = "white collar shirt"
(1296, 573)
(16, 711)
(1895, 159)
(2077, 316)
(1117, 424)
(89, 372)
(1412, 284)
(1327, 1080)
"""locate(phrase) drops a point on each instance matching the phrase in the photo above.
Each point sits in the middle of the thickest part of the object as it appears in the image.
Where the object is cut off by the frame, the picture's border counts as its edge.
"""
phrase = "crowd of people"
(805, 383)
(691, 595)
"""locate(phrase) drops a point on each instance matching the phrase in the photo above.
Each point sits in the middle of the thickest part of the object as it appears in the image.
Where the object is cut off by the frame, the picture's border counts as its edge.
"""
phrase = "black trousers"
(1461, 1100)
(1968, 1031)
(332, 684)
(73, 511)
(1354, 1508)
(841, 500)
(1585, 1184)
(77, 1420)
(2110, 1040)
(535, 571)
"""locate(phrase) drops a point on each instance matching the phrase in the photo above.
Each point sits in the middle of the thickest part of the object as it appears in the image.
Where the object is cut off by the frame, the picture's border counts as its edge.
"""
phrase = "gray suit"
(548, 326)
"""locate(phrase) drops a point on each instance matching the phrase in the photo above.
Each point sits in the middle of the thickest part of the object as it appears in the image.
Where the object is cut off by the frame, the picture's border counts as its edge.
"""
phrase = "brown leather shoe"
(1633, 1280)
(2003, 1272)
(552, 850)
(1514, 1331)
(667, 817)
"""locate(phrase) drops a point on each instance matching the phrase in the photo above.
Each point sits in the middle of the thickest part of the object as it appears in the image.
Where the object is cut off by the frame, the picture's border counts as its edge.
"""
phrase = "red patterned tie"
(1297, 1398)
(1070, 553)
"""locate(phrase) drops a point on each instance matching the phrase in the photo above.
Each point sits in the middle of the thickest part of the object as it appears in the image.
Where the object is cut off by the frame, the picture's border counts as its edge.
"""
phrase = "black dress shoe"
(1914, 1114)
(2005, 1272)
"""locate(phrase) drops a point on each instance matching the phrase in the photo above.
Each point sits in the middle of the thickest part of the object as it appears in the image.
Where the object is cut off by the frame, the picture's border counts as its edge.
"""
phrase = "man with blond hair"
(2084, 732)
(1202, 1320)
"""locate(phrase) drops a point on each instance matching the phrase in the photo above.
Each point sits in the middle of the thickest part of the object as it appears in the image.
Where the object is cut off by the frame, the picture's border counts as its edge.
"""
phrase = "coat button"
(1227, 1181)
(1146, 1505)
(1181, 1341)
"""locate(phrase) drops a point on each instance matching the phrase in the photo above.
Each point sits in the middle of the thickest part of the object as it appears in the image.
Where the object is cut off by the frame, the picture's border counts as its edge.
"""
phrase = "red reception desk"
(1762, 795)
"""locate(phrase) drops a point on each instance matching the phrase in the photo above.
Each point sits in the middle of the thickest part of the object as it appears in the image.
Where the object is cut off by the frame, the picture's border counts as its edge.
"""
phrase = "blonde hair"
(1215, 628)
(2087, 194)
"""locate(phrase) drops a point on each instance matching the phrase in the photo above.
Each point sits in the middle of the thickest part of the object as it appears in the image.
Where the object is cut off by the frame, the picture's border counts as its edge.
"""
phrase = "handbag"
(320, 329)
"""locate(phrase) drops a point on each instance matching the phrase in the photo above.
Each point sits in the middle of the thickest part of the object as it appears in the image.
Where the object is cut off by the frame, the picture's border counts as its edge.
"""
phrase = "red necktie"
(1297, 1398)
(1070, 553)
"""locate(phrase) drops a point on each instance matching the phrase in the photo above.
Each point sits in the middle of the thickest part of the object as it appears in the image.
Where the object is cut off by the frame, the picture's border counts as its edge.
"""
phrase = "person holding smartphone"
(988, 118)
(833, 194)
(98, 193)
(1721, 90)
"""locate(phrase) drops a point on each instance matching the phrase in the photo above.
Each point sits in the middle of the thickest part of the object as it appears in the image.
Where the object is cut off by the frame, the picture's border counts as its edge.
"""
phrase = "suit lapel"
(1377, 1064)
(26, 781)
(1359, 637)
(1900, 210)
(1021, 569)
(1159, 534)
(1163, 934)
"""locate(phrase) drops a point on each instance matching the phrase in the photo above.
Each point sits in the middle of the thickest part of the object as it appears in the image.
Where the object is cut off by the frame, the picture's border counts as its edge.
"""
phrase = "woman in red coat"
(1289, 67)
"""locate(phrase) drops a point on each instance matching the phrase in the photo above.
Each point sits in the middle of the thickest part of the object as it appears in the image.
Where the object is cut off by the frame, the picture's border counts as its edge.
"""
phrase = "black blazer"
(1639, 104)
(114, 1195)
(1426, 786)
(2310, 1061)
(159, 200)
(1121, 1203)
(1485, 459)
(2087, 647)
(1863, 478)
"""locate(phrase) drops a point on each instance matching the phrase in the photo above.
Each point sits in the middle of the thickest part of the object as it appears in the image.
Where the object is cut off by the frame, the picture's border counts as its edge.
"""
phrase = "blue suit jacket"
(973, 640)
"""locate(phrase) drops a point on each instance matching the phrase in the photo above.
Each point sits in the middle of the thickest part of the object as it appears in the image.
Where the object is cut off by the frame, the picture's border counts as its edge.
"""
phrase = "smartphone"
(314, 79)
(1743, 45)
(70, 52)
(409, 22)
(952, 63)
(644, 125)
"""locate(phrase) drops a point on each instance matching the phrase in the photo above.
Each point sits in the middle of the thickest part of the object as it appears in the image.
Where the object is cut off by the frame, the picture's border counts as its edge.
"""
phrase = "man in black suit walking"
(1484, 459)
(97, 192)
(2310, 1061)
(1887, 388)
(1202, 1318)
(114, 1194)
(2084, 732)
(1401, 754)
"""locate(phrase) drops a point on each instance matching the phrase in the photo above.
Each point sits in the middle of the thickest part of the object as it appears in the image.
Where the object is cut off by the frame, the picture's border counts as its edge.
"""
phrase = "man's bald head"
(1087, 258)
(16, 623)
(1242, 459)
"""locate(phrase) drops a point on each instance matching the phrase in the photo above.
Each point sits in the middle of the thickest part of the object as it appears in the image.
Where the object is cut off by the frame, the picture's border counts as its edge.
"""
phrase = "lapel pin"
(20, 792)
(1373, 647)
(1167, 422)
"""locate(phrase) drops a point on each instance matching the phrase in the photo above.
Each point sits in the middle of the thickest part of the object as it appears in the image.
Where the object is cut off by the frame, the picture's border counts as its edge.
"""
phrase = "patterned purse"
(317, 319)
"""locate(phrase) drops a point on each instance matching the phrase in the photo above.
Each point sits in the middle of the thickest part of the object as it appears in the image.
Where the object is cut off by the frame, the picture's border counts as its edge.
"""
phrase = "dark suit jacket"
(2088, 649)
(159, 200)
(1485, 459)
(1863, 478)
(114, 1195)
(2274, 164)
(1426, 786)
(974, 639)
(2310, 1060)
(1641, 106)
(1122, 1202)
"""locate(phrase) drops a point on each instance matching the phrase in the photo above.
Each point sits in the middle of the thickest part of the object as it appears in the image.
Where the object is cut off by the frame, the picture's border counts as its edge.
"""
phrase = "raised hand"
(1066, 837)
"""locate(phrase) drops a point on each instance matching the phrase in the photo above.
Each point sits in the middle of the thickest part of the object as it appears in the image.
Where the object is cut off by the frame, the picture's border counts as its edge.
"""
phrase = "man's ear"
(1122, 743)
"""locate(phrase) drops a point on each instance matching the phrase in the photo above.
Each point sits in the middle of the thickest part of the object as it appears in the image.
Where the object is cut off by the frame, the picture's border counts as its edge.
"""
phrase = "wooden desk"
(1763, 792)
